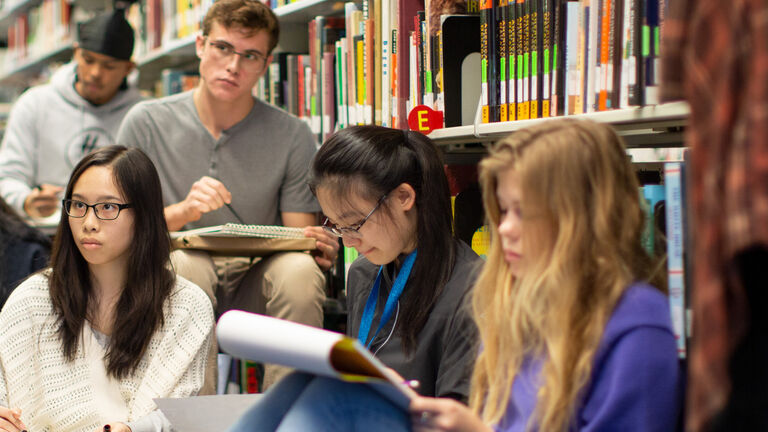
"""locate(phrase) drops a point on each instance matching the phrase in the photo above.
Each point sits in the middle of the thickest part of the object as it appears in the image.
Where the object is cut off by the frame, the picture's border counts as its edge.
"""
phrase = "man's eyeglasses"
(352, 231)
(251, 59)
(103, 211)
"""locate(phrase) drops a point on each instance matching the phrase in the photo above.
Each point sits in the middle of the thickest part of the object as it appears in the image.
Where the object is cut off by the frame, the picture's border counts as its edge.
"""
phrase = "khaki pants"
(285, 285)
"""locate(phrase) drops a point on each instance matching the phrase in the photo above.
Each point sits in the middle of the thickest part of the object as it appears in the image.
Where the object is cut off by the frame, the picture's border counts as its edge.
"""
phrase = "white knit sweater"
(56, 395)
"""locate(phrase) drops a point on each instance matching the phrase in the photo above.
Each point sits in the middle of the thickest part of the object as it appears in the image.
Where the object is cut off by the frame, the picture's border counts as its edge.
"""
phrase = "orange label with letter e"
(424, 119)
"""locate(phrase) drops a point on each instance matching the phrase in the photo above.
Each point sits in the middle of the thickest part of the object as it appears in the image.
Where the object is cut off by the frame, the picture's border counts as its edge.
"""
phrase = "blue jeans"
(305, 402)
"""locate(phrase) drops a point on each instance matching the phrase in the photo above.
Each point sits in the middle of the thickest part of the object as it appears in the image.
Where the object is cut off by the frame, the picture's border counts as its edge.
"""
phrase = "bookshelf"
(11, 9)
(180, 53)
(18, 74)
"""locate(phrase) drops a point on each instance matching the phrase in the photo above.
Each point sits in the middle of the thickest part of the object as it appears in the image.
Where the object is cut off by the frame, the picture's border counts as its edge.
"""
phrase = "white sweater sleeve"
(3, 389)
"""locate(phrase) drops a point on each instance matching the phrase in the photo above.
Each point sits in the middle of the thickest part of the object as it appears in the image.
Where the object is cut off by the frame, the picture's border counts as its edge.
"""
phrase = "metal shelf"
(303, 11)
(19, 74)
(648, 126)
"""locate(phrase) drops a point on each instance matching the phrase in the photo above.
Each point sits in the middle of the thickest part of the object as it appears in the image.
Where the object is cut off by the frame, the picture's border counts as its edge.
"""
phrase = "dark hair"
(13, 227)
(249, 15)
(139, 311)
(373, 161)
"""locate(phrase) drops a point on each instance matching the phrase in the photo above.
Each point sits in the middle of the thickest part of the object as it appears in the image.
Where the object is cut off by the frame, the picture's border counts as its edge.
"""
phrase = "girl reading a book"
(574, 334)
(108, 327)
(385, 193)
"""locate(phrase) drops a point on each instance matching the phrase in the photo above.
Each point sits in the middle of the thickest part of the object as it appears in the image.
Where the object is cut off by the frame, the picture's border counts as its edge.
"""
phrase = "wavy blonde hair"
(578, 186)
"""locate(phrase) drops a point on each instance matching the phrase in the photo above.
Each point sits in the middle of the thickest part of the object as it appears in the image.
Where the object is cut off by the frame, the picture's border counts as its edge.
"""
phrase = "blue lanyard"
(389, 307)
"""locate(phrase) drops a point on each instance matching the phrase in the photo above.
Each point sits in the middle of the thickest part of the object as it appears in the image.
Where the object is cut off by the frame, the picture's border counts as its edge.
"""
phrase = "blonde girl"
(575, 335)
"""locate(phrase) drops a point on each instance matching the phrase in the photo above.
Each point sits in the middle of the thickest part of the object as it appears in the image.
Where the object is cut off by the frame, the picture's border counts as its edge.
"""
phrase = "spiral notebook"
(240, 230)
(243, 240)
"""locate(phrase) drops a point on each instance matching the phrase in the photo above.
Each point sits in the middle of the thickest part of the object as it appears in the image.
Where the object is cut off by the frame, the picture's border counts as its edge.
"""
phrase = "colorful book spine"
(535, 48)
(675, 242)
(502, 24)
(547, 58)
(512, 60)
(486, 18)
(521, 41)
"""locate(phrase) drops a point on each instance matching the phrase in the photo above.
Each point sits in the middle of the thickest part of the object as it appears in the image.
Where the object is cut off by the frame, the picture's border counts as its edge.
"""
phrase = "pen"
(235, 213)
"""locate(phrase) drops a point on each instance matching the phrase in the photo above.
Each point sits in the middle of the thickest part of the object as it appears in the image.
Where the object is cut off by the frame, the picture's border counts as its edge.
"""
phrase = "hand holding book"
(327, 246)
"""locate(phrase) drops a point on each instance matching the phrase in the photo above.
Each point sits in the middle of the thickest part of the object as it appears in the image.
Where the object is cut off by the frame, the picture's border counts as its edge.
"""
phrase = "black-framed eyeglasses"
(103, 211)
(352, 231)
(250, 58)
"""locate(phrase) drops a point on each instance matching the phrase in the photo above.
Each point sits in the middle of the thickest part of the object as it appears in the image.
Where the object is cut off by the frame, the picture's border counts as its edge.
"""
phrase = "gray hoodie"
(50, 128)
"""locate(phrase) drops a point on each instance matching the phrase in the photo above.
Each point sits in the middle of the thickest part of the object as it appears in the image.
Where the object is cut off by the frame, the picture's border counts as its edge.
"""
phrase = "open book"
(243, 240)
(309, 349)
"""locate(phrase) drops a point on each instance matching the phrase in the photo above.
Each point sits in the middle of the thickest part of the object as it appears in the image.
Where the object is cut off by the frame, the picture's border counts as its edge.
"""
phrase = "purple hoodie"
(636, 380)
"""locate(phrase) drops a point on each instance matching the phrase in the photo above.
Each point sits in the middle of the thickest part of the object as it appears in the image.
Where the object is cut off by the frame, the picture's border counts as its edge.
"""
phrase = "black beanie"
(108, 33)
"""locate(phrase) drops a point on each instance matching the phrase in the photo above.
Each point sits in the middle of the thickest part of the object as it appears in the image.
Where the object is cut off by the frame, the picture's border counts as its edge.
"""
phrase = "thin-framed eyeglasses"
(251, 58)
(103, 211)
(352, 231)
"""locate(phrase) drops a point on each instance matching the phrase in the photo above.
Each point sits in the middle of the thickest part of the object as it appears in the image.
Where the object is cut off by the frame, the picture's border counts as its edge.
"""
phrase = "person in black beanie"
(52, 126)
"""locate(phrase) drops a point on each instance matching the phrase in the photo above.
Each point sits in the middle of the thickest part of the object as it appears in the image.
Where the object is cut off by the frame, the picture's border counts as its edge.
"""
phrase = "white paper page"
(271, 340)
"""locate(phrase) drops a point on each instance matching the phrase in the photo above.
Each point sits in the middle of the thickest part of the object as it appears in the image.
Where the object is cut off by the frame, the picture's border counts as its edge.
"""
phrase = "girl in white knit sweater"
(108, 327)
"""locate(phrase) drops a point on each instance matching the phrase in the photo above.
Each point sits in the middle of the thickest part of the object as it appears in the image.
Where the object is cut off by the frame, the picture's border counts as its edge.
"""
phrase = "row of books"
(544, 58)
(174, 81)
(353, 72)
(37, 32)
(537, 58)
(160, 22)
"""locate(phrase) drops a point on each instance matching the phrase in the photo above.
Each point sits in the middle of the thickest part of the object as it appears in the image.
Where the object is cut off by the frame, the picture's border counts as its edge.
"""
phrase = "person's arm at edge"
(10, 415)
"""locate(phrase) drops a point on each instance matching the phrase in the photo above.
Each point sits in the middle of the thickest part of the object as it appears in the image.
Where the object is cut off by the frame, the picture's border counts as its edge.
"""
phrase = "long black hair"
(139, 311)
(371, 161)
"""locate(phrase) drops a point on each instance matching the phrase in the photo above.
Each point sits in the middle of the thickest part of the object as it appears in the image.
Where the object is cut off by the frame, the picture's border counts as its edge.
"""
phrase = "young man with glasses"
(222, 153)
(52, 126)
